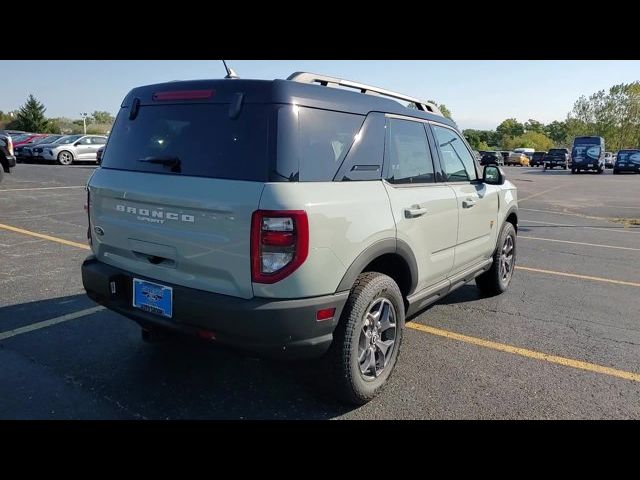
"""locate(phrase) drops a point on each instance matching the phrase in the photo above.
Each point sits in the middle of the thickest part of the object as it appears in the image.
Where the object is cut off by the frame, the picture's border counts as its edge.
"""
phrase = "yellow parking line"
(575, 275)
(579, 243)
(523, 352)
(44, 237)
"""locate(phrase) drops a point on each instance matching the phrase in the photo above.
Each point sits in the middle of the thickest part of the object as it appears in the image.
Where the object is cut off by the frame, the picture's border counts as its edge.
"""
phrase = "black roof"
(282, 92)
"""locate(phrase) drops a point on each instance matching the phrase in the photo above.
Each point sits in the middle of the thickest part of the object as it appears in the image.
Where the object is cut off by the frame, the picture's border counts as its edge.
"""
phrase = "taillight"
(279, 243)
(10, 145)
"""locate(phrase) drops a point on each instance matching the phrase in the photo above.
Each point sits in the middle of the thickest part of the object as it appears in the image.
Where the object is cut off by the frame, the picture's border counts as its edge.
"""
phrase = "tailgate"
(190, 231)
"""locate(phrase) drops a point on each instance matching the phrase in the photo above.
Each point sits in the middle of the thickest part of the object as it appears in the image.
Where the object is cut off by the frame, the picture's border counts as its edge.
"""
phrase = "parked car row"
(63, 149)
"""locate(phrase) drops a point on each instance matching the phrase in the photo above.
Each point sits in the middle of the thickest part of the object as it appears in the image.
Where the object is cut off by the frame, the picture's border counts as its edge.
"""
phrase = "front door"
(477, 202)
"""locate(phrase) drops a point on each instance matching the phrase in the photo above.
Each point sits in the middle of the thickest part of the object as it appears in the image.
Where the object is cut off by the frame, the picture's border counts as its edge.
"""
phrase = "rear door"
(176, 191)
(477, 202)
(425, 211)
(96, 143)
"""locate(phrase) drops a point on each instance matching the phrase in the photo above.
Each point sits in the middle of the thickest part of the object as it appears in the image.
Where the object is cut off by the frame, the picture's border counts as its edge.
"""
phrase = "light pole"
(84, 121)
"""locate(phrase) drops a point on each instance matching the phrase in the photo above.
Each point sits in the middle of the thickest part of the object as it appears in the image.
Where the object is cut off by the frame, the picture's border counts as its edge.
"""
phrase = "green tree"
(102, 117)
(533, 126)
(31, 116)
(510, 128)
(536, 140)
(557, 131)
(443, 108)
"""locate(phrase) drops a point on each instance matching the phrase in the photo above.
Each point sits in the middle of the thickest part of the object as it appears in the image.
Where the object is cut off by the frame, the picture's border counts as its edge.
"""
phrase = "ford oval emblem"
(98, 230)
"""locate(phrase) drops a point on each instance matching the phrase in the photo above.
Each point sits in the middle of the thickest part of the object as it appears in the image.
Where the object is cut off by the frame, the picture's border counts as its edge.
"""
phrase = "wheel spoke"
(386, 320)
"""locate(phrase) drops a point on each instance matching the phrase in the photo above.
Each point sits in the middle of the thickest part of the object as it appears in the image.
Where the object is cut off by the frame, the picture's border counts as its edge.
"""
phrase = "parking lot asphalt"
(563, 342)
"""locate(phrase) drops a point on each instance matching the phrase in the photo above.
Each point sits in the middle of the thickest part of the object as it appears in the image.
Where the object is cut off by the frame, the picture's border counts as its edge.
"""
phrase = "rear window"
(203, 137)
(629, 156)
(558, 151)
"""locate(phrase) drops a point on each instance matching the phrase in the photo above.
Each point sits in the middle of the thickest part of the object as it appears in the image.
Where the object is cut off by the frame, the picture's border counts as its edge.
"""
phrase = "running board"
(432, 294)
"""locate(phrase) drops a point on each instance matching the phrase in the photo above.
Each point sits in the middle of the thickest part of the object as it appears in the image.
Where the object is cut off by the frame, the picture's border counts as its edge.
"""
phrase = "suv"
(557, 157)
(291, 217)
(7, 158)
(77, 147)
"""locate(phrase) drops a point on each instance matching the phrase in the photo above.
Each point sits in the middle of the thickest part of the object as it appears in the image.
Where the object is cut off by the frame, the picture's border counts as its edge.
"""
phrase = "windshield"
(557, 151)
(48, 139)
(18, 138)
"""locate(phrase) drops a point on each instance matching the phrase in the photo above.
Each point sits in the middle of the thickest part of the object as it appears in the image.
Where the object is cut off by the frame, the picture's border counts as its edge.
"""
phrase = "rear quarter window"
(312, 143)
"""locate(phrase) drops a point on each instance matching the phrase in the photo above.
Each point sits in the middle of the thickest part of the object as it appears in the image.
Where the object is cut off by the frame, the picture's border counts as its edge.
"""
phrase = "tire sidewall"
(382, 286)
(507, 230)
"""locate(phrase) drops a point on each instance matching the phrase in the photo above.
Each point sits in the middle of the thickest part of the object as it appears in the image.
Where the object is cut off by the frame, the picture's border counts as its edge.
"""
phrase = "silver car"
(74, 147)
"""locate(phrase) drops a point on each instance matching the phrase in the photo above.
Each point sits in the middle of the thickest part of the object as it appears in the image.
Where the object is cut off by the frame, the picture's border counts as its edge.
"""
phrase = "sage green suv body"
(288, 216)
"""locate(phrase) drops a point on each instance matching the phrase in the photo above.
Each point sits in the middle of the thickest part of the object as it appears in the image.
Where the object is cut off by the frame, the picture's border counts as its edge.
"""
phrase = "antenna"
(230, 72)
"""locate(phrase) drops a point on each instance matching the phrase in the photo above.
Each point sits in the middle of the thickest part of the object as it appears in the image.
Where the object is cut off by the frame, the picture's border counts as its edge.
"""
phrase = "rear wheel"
(496, 280)
(1, 173)
(616, 171)
(367, 340)
(65, 158)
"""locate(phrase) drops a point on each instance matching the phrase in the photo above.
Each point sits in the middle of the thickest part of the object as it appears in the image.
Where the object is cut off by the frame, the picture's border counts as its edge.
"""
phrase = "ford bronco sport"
(292, 216)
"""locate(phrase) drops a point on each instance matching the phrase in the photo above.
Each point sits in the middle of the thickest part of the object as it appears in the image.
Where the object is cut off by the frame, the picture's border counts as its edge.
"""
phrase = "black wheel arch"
(396, 259)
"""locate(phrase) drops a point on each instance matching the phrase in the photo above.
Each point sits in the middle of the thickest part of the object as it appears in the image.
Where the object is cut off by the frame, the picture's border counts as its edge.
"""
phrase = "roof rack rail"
(307, 77)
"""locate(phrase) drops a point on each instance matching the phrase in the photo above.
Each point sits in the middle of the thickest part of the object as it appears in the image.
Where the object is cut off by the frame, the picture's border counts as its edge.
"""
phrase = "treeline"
(30, 117)
(612, 114)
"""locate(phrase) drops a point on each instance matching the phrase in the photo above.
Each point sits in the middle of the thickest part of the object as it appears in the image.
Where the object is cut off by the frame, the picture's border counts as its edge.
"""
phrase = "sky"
(479, 93)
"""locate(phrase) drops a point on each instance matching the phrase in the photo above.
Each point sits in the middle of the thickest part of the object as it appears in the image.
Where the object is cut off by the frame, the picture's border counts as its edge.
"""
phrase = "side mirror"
(493, 175)
(76, 144)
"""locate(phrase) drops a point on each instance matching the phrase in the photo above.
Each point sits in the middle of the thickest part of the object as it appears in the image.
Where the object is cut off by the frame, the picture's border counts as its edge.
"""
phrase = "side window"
(457, 162)
(312, 143)
(408, 152)
(85, 141)
(99, 141)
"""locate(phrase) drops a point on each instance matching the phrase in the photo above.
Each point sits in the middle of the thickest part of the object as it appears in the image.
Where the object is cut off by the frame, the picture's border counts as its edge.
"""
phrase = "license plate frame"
(152, 297)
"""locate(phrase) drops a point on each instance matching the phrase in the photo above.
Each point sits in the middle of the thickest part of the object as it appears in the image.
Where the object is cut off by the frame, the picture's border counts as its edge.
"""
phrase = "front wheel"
(496, 280)
(367, 340)
(65, 158)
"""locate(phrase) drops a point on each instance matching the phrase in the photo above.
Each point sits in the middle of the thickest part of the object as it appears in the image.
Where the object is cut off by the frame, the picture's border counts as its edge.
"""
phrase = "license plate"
(153, 297)
(590, 165)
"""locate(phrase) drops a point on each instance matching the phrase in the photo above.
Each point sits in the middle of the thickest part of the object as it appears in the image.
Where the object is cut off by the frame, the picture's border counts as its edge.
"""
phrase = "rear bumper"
(281, 327)
(585, 165)
(11, 161)
(627, 168)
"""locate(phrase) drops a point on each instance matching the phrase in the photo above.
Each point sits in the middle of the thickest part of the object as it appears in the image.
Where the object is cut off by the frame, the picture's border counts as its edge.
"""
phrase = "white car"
(75, 147)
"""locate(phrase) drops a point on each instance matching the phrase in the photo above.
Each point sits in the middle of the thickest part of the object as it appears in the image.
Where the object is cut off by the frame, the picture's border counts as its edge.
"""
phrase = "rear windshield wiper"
(173, 162)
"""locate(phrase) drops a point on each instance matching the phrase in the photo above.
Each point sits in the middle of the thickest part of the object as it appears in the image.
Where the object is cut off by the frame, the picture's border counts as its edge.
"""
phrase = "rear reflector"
(206, 335)
(325, 314)
(183, 95)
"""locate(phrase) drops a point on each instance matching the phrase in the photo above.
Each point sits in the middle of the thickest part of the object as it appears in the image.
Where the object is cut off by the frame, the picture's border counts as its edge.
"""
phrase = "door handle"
(468, 203)
(415, 211)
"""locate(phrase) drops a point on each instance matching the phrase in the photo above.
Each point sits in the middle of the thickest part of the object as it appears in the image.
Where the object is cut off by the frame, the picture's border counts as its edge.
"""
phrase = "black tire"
(493, 282)
(65, 157)
(350, 384)
(564, 167)
(1, 173)
(616, 171)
